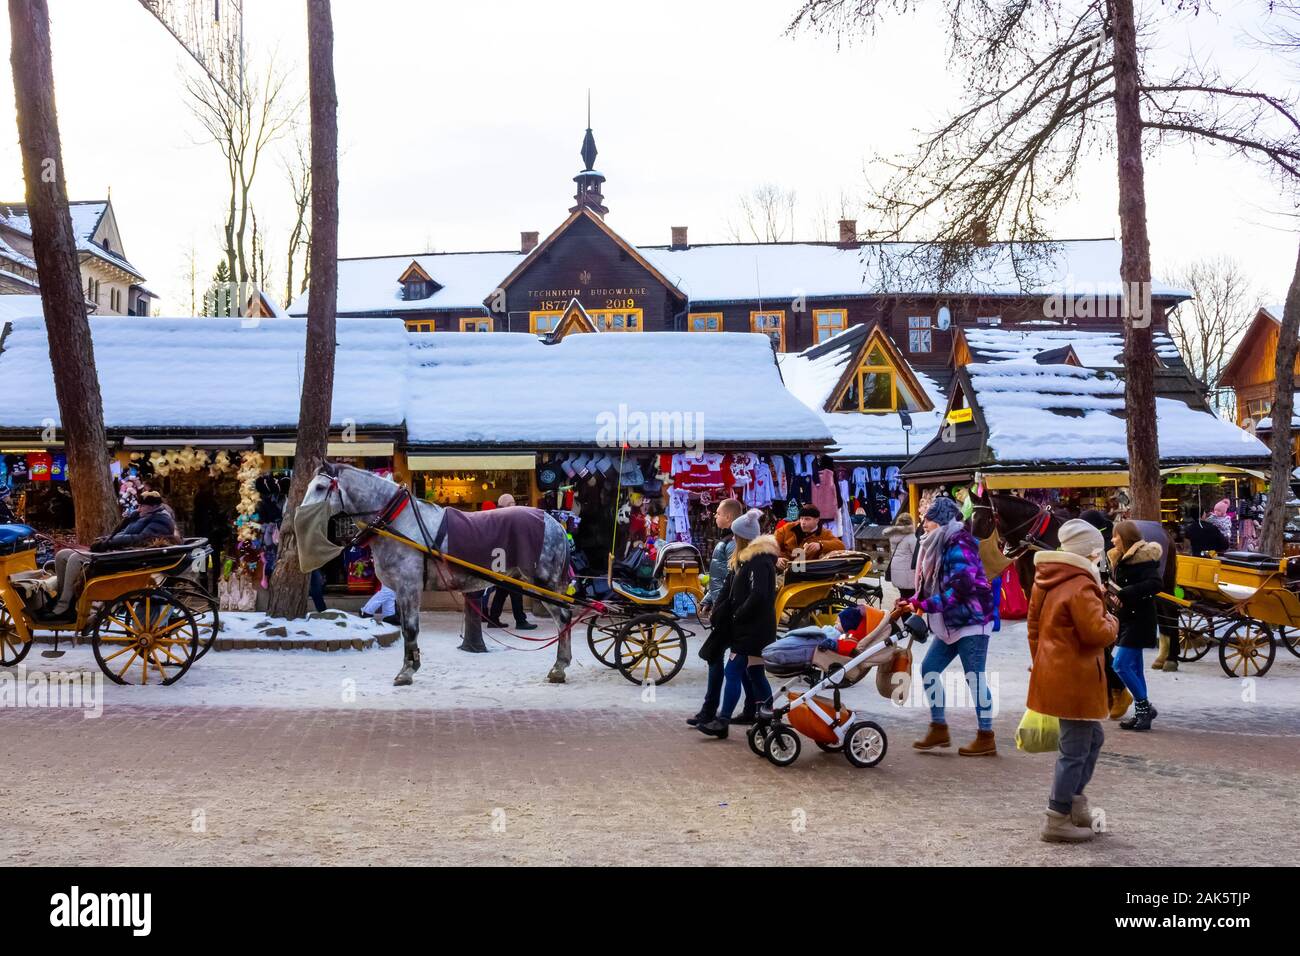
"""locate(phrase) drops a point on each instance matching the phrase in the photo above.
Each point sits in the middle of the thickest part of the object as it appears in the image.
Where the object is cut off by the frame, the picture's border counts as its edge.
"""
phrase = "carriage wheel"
(145, 637)
(1195, 634)
(820, 613)
(602, 637)
(1247, 650)
(865, 744)
(1290, 638)
(783, 746)
(202, 605)
(12, 647)
(650, 649)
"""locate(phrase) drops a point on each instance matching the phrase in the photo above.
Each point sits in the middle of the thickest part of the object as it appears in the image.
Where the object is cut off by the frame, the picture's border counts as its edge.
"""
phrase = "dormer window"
(416, 283)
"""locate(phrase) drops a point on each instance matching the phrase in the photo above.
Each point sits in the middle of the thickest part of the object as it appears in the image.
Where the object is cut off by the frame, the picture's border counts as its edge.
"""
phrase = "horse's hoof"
(556, 676)
(404, 679)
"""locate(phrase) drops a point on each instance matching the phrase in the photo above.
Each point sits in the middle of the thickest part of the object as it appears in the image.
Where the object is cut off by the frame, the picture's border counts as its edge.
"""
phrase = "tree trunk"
(1135, 273)
(288, 584)
(72, 353)
(1288, 344)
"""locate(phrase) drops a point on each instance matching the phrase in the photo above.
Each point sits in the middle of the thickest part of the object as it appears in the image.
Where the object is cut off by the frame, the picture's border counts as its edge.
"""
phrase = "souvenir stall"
(34, 489)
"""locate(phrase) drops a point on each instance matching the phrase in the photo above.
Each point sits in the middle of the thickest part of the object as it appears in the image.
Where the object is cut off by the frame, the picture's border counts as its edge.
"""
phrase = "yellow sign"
(959, 415)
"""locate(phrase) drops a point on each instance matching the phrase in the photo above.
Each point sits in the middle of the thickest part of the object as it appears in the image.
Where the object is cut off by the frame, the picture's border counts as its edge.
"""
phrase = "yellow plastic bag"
(1038, 733)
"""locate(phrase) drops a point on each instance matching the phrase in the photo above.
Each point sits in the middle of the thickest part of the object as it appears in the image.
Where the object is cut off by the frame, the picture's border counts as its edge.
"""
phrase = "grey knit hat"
(943, 510)
(748, 525)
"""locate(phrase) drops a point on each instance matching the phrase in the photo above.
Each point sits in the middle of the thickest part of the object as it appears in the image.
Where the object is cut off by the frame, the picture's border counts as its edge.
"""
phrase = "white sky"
(460, 126)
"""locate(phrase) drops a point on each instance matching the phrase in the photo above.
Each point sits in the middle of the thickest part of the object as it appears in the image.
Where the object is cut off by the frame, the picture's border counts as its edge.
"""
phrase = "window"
(612, 321)
(417, 289)
(873, 389)
(420, 326)
(1258, 408)
(704, 322)
(988, 320)
(475, 324)
(539, 323)
(828, 322)
(918, 333)
(771, 324)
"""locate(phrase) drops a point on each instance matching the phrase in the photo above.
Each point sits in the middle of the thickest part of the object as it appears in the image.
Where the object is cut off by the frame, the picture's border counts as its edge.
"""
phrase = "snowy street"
(306, 757)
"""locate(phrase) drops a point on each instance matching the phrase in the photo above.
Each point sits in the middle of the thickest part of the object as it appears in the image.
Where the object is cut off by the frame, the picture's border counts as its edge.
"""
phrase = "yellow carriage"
(640, 634)
(1243, 602)
(133, 607)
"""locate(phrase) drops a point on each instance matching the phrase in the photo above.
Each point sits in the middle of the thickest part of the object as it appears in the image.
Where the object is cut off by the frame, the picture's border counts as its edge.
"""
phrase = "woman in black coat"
(1136, 580)
(745, 617)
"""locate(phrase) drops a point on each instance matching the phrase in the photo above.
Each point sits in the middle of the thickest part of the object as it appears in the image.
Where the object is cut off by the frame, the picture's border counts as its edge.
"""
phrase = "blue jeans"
(1128, 665)
(737, 673)
(713, 689)
(973, 651)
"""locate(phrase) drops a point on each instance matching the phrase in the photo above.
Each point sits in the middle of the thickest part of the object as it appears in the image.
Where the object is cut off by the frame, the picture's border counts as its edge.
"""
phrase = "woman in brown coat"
(1069, 631)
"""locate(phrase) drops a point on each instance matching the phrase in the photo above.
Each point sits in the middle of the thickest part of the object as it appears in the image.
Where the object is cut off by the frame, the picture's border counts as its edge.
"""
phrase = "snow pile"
(208, 373)
(511, 388)
(370, 285)
(1075, 415)
(1094, 349)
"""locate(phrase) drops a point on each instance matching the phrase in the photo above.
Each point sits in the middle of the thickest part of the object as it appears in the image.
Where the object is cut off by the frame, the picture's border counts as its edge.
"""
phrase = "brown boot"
(936, 736)
(1120, 704)
(982, 746)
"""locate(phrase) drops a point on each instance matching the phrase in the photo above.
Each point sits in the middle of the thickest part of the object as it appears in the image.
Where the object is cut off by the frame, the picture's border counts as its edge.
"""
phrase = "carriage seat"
(1251, 559)
(680, 553)
(842, 564)
(15, 538)
(142, 559)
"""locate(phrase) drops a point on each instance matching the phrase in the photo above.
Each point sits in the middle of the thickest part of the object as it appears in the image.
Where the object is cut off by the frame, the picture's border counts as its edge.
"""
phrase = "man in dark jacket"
(1201, 535)
(151, 525)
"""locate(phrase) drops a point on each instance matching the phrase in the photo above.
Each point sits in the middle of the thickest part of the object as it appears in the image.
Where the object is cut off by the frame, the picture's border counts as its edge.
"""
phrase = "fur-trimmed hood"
(763, 544)
(1140, 552)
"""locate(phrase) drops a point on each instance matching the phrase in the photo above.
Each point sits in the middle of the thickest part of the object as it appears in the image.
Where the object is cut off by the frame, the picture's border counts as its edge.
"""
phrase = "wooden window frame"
(753, 325)
(475, 320)
(928, 330)
(893, 388)
(843, 323)
(414, 325)
(598, 319)
(534, 316)
(692, 316)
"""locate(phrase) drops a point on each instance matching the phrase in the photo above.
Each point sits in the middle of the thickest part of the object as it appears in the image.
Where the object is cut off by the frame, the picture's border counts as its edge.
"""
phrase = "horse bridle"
(1029, 541)
(395, 505)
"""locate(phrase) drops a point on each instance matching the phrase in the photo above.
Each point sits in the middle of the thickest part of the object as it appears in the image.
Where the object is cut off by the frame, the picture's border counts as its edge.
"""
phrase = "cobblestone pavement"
(207, 785)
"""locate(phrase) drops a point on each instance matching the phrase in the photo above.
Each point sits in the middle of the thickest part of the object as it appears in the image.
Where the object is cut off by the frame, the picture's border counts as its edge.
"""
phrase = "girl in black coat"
(1135, 566)
(745, 618)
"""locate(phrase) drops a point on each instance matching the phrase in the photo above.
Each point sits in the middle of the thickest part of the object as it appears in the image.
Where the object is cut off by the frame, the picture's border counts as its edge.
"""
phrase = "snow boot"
(1058, 828)
(717, 727)
(1120, 703)
(1080, 812)
(1143, 714)
(936, 736)
(982, 746)
(1159, 663)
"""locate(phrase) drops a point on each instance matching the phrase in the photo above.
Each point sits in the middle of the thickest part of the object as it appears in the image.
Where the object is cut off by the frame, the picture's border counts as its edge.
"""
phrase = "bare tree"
(288, 596)
(765, 214)
(1206, 327)
(1049, 83)
(242, 127)
(298, 171)
(54, 246)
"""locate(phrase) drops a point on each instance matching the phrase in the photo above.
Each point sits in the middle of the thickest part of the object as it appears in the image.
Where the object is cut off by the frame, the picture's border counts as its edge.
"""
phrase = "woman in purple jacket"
(955, 597)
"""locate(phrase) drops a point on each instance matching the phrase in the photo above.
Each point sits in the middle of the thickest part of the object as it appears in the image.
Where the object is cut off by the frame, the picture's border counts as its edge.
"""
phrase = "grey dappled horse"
(358, 492)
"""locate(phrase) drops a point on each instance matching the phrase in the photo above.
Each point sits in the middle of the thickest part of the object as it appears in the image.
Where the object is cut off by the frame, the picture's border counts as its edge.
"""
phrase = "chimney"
(679, 238)
(848, 233)
(527, 242)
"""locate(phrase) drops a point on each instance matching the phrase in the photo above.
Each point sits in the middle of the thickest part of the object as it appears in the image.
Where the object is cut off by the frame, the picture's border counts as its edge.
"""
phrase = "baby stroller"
(823, 720)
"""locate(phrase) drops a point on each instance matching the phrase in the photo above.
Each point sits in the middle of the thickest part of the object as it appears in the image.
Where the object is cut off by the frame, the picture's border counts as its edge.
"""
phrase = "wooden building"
(1251, 373)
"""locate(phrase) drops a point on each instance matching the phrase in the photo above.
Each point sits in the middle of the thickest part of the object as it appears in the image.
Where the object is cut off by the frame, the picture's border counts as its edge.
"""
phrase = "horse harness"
(1037, 523)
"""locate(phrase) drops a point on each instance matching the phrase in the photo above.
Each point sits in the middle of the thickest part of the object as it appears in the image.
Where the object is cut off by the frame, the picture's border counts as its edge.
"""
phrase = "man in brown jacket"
(806, 538)
(1069, 631)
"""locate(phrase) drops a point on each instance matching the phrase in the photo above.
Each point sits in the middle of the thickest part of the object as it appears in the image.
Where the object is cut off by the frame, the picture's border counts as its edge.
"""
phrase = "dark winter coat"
(748, 603)
(149, 526)
(715, 645)
(1138, 581)
(1203, 536)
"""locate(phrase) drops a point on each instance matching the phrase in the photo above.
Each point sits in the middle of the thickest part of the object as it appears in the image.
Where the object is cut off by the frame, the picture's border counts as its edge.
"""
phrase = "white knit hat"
(1079, 537)
(748, 525)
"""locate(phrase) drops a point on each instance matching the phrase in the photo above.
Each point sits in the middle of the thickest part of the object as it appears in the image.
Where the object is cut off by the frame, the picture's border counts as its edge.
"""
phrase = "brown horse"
(1026, 527)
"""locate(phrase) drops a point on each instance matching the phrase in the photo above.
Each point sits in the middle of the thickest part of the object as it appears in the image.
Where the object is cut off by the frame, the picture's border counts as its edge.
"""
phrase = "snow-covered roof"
(1066, 414)
(370, 285)
(747, 271)
(86, 217)
(511, 388)
(207, 373)
(811, 376)
(1095, 349)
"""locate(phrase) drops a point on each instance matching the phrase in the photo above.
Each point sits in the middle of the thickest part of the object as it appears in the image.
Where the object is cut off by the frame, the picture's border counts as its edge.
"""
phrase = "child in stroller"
(829, 659)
